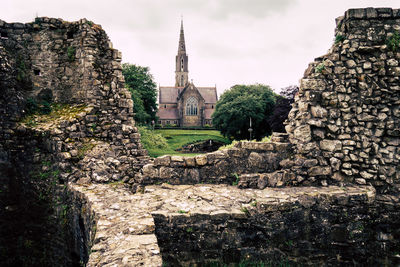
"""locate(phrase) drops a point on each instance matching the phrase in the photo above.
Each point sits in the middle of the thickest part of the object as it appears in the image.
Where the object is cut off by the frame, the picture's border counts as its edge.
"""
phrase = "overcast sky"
(228, 41)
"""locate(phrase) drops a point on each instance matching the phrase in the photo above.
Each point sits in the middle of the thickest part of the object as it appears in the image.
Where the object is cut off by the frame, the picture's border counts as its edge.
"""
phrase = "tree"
(282, 108)
(140, 83)
(240, 103)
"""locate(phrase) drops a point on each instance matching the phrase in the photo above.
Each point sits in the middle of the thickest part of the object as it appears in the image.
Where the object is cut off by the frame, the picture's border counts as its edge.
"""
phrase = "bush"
(150, 139)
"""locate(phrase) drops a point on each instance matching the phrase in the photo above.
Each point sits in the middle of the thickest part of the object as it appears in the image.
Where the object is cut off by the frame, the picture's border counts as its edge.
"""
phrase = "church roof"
(209, 94)
(168, 114)
(169, 94)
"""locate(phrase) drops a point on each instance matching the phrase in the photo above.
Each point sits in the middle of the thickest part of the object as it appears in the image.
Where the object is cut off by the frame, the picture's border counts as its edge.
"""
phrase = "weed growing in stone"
(182, 211)
(236, 182)
(339, 38)
(86, 147)
(71, 53)
(320, 67)
(244, 210)
(393, 42)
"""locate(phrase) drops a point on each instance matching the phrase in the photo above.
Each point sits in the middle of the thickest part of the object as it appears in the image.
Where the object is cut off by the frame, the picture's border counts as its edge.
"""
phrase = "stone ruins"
(325, 193)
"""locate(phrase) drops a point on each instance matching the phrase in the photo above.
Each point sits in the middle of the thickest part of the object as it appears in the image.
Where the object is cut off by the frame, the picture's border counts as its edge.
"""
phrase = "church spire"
(181, 60)
(182, 46)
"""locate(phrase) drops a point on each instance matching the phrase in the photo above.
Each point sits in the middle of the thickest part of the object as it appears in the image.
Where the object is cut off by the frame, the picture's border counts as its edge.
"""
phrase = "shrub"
(150, 139)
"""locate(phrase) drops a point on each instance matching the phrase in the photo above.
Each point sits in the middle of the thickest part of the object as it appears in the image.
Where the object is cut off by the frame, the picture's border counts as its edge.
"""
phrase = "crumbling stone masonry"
(93, 140)
(345, 122)
(57, 61)
(223, 166)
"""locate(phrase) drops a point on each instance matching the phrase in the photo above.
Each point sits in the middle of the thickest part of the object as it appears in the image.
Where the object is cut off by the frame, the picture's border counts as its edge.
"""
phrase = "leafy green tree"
(144, 92)
(240, 103)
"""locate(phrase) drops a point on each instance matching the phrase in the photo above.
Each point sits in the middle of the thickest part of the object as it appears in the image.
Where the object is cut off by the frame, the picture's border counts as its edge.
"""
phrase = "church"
(185, 105)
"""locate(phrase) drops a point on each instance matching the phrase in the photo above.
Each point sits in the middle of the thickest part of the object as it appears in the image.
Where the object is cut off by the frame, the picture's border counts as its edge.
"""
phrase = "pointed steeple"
(181, 60)
(182, 46)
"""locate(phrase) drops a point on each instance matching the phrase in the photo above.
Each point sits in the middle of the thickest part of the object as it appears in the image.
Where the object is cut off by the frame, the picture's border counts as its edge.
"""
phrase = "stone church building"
(184, 104)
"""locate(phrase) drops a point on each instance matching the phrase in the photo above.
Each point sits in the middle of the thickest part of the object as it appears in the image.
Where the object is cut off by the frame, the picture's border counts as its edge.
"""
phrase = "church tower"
(181, 71)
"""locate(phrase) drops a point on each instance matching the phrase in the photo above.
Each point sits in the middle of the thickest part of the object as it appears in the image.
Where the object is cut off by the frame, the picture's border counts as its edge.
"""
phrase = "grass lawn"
(177, 138)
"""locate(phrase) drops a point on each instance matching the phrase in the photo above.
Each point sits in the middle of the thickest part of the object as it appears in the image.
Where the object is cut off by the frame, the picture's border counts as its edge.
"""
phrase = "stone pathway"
(125, 229)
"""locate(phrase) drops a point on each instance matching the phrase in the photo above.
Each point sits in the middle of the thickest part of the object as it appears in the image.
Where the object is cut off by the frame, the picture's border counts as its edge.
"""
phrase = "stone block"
(162, 161)
(201, 160)
(255, 160)
(384, 12)
(190, 161)
(258, 146)
(331, 145)
(320, 170)
(191, 176)
(319, 112)
(177, 159)
(310, 163)
(166, 172)
(215, 156)
(303, 133)
(371, 13)
(313, 84)
(150, 171)
(355, 13)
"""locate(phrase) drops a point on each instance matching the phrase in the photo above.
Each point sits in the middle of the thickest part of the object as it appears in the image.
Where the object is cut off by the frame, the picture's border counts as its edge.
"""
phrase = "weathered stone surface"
(162, 161)
(125, 226)
(201, 160)
(349, 101)
(319, 170)
(303, 133)
(331, 145)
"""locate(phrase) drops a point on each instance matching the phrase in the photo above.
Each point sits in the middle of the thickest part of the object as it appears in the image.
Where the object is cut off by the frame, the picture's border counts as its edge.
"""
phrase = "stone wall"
(70, 62)
(346, 117)
(222, 166)
(306, 226)
(89, 137)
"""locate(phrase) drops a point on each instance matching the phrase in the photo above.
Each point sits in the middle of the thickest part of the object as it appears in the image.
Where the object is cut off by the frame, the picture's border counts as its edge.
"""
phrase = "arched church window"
(181, 64)
(191, 106)
(182, 80)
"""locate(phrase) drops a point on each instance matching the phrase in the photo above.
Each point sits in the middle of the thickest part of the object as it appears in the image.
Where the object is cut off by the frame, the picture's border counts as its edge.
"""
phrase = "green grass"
(176, 138)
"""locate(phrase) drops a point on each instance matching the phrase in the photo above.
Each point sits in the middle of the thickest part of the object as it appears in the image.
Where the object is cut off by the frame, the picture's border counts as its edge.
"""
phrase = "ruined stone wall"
(54, 61)
(306, 226)
(222, 166)
(91, 136)
(345, 122)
